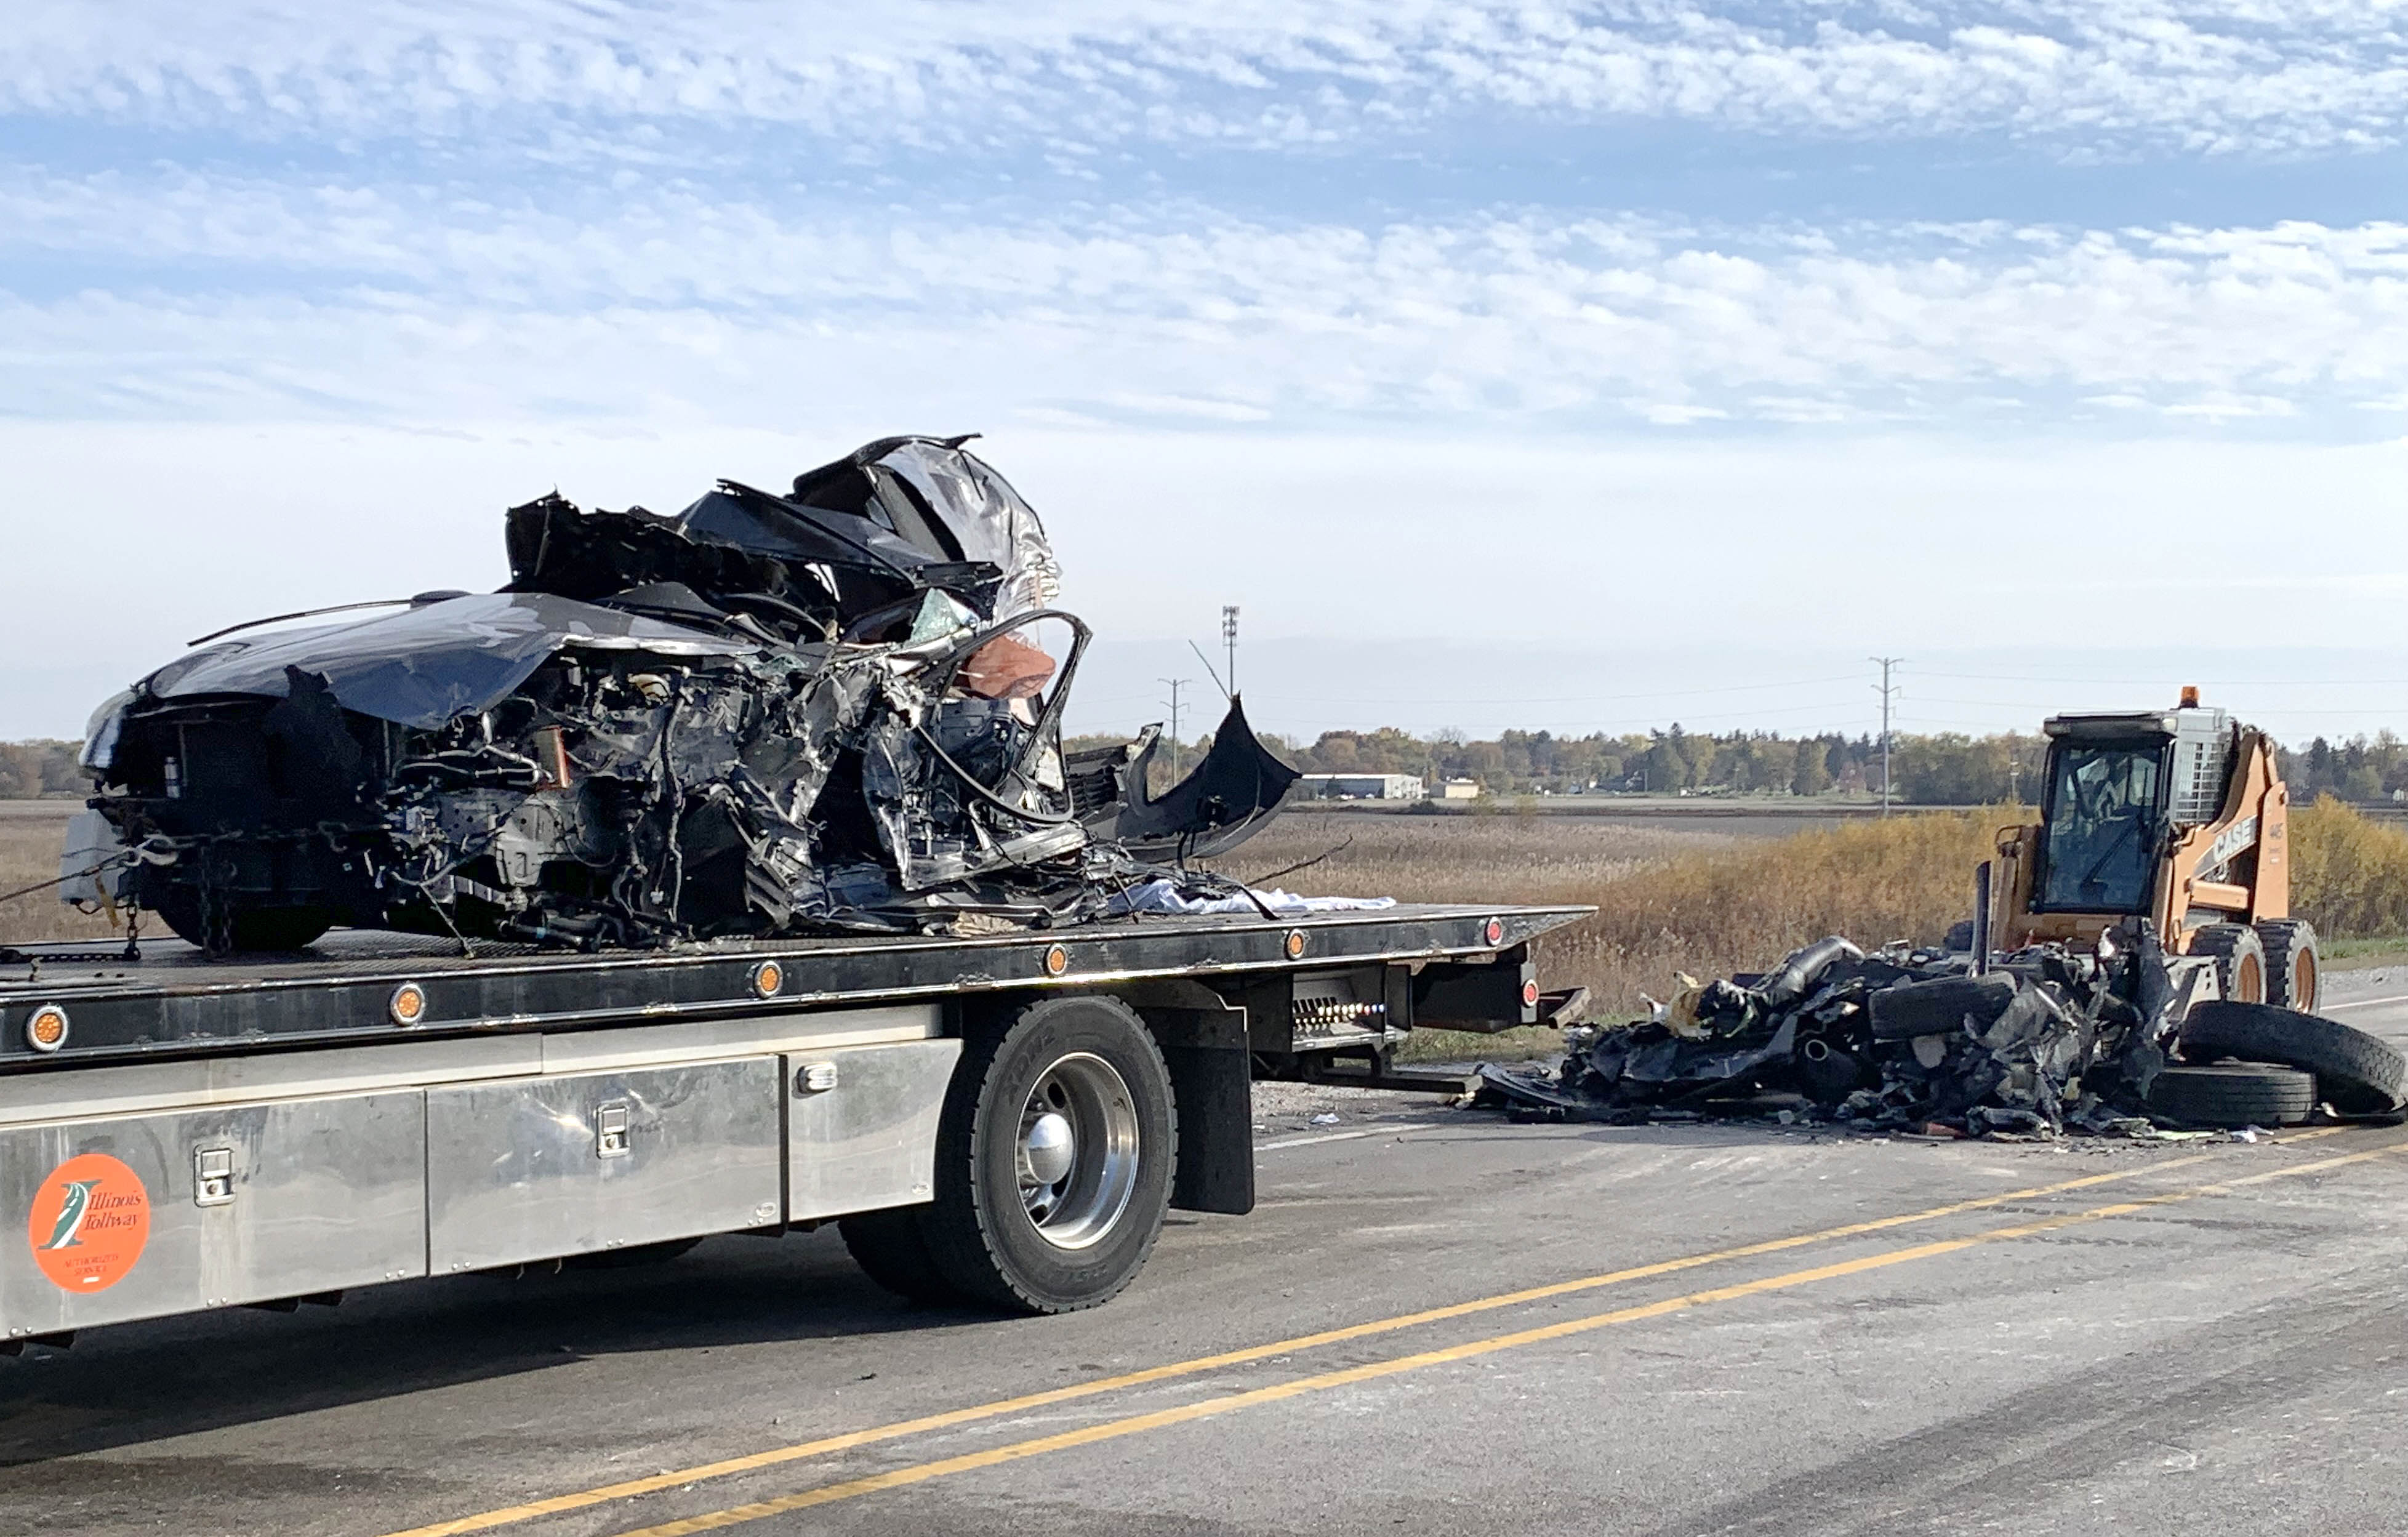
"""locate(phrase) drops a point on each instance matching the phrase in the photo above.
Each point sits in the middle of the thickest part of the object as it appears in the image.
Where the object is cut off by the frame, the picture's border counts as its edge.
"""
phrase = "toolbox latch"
(213, 1176)
(610, 1131)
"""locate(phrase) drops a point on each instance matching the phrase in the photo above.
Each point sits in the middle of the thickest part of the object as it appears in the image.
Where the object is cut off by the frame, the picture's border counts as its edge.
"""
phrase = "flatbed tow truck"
(1003, 1119)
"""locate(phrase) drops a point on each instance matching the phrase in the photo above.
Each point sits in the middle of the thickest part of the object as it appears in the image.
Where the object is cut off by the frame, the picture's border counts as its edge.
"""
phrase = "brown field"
(1674, 901)
(31, 832)
(1669, 900)
(1459, 859)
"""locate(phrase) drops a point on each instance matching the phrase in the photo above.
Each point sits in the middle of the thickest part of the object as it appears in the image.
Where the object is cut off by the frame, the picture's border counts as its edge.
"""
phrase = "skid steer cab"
(2179, 816)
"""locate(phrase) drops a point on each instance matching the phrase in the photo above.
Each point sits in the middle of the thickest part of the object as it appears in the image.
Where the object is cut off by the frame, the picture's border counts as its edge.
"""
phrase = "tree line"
(1947, 768)
(30, 770)
(1942, 768)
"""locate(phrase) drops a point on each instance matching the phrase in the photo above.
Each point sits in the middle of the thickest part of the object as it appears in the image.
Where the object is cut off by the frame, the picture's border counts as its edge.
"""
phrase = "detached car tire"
(1054, 1159)
(2234, 1094)
(1941, 1005)
(2358, 1073)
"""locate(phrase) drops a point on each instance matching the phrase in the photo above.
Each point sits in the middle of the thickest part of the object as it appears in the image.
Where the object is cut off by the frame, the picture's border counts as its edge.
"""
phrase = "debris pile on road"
(2042, 1041)
(830, 709)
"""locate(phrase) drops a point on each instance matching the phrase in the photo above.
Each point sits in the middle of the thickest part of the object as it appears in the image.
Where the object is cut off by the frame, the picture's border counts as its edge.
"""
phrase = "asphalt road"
(1732, 1330)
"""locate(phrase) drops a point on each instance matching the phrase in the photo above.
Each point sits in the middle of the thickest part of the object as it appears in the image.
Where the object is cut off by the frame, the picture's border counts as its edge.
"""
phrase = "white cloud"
(2204, 75)
(253, 298)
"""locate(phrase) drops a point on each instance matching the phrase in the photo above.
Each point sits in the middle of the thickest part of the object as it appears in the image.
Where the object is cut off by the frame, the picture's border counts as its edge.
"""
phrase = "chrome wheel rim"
(1077, 1152)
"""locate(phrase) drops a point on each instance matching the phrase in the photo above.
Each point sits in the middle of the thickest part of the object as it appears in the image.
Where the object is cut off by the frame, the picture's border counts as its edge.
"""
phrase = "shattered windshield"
(2102, 807)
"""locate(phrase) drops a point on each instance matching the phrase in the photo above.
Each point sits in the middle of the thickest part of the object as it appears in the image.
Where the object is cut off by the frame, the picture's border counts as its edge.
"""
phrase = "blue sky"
(1576, 364)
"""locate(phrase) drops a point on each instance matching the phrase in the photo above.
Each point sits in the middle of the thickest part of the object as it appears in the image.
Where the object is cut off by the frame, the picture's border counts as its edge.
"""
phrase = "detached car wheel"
(1941, 1005)
(2360, 1074)
(1055, 1158)
(2233, 1094)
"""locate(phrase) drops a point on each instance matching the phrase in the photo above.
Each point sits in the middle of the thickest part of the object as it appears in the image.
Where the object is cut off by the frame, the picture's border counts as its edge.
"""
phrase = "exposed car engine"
(837, 707)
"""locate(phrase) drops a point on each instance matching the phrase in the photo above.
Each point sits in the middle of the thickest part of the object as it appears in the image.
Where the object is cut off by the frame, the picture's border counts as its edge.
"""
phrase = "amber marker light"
(1057, 960)
(768, 978)
(408, 1005)
(1296, 944)
(46, 1030)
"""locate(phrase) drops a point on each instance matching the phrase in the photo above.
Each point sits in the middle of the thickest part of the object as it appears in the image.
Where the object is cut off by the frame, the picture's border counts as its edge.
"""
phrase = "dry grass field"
(1458, 859)
(31, 832)
(1669, 900)
(1678, 902)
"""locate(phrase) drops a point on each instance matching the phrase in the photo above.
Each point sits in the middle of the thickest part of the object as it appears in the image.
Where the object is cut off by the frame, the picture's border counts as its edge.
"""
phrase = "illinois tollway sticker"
(90, 1220)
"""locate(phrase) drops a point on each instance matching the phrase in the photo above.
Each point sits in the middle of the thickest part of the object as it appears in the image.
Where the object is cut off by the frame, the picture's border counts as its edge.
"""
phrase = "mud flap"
(1211, 1084)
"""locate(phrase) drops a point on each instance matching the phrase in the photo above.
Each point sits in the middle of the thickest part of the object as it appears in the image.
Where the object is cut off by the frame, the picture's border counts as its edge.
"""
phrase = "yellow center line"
(752, 1463)
(1372, 1370)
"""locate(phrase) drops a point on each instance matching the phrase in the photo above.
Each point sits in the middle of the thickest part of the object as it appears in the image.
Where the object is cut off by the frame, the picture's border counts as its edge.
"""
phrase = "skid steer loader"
(2179, 816)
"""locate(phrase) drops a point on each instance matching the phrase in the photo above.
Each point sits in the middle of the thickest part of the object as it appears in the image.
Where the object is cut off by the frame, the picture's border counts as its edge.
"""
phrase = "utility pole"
(1885, 690)
(1176, 684)
(1229, 638)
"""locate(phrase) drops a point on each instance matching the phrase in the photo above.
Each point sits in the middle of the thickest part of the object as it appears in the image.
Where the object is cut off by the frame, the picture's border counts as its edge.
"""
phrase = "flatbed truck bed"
(1002, 1118)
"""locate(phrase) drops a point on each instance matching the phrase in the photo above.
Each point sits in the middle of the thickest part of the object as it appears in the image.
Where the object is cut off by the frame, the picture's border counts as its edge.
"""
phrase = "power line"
(1176, 684)
(1224, 689)
(1888, 690)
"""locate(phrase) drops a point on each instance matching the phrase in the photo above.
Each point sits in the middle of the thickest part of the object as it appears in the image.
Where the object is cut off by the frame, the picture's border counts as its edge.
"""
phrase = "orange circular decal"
(90, 1220)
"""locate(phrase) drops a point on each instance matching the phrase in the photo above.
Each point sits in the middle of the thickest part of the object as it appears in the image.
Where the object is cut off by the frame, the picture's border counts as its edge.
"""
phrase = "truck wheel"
(2233, 1094)
(890, 1246)
(2295, 970)
(1053, 1159)
(2360, 1075)
(2239, 960)
(632, 1257)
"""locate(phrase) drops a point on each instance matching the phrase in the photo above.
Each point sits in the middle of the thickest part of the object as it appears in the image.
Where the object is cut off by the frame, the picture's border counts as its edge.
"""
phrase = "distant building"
(1360, 787)
(1459, 789)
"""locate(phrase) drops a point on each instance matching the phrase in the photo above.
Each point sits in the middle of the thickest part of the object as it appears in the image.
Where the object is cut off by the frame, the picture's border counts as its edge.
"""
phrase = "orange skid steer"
(2179, 816)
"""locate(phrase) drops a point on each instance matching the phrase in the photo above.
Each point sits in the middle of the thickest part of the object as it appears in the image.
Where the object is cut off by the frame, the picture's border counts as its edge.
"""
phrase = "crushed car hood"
(426, 664)
(835, 709)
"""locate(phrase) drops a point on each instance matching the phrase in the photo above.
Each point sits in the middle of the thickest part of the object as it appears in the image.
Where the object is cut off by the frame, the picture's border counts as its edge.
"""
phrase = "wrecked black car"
(2118, 1040)
(836, 708)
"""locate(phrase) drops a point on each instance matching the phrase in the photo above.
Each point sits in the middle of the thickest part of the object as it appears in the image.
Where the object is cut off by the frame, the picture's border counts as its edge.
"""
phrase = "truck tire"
(2358, 1073)
(2233, 1094)
(2239, 960)
(2295, 967)
(1055, 1158)
(890, 1247)
(1941, 1005)
(632, 1257)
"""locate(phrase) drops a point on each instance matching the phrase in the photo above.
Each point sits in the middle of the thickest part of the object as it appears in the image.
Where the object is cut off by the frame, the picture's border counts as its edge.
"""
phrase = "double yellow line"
(1227, 1403)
